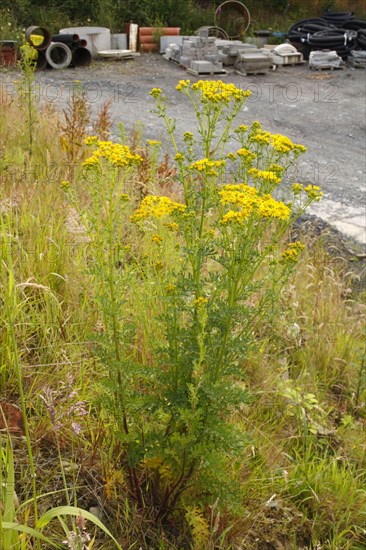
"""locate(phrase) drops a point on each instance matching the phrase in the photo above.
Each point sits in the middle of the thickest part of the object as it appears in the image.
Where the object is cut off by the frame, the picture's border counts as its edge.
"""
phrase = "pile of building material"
(207, 55)
(320, 60)
(230, 50)
(357, 59)
(197, 54)
(58, 51)
(255, 61)
(286, 54)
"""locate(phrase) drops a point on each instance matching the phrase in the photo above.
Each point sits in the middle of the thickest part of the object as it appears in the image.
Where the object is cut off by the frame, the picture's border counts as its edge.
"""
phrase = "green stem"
(10, 300)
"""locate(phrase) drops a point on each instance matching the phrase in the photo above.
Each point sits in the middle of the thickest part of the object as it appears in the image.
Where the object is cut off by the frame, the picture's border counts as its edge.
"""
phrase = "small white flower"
(293, 331)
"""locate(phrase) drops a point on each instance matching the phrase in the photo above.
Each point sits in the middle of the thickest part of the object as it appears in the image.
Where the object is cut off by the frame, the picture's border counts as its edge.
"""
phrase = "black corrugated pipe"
(340, 40)
(355, 24)
(68, 39)
(361, 39)
(41, 61)
(337, 18)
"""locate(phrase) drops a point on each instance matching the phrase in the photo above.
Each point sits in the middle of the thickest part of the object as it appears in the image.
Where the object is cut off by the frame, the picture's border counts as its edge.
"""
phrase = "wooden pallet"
(326, 68)
(241, 73)
(206, 73)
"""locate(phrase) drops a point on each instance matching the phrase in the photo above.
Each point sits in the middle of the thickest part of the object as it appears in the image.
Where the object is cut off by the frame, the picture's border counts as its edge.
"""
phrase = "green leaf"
(74, 511)
(10, 526)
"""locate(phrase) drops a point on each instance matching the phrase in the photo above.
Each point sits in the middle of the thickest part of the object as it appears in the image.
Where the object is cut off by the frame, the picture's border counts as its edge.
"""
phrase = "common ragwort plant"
(209, 268)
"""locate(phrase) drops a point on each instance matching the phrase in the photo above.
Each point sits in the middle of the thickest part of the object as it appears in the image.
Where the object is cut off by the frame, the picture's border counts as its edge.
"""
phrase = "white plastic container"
(119, 41)
(98, 38)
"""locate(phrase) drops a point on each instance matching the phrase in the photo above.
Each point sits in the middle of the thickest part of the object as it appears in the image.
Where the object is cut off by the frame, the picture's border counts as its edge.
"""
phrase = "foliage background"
(187, 14)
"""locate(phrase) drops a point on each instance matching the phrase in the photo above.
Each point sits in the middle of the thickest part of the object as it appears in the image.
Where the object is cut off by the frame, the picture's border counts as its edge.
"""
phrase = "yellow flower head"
(156, 239)
(156, 92)
(297, 188)
(182, 85)
(156, 207)
(216, 91)
(261, 137)
(65, 185)
(264, 175)
(313, 192)
(291, 254)
(118, 155)
(246, 155)
(200, 301)
(153, 142)
(270, 208)
(91, 140)
(241, 129)
(188, 137)
(207, 166)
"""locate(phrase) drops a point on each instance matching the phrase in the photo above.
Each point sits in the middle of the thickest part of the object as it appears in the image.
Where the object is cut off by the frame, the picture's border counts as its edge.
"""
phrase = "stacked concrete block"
(200, 48)
(228, 53)
(205, 67)
(257, 61)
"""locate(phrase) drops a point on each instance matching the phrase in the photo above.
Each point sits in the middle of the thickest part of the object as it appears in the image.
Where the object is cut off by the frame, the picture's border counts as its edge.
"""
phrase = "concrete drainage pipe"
(38, 37)
(58, 55)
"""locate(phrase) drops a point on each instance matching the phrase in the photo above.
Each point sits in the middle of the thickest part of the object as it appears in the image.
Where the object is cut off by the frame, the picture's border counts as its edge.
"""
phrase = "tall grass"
(301, 471)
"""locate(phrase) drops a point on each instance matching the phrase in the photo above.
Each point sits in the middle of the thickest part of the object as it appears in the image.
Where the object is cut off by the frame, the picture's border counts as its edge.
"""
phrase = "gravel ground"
(324, 110)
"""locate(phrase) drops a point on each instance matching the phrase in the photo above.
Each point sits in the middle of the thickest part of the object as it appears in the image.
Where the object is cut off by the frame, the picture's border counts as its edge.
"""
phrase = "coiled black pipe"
(340, 40)
(321, 34)
(361, 39)
(355, 24)
(300, 31)
(337, 18)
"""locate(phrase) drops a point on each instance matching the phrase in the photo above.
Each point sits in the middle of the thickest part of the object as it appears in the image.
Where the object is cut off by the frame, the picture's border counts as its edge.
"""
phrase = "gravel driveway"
(323, 110)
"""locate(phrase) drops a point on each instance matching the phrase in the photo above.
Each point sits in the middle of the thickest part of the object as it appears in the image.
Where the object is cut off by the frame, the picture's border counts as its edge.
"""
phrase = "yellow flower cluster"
(156, 239)
(182, 84)
(247, 198)
(297, 188)
(238, 194)
(188, 137)
(153, 142)
(91, 140)
(216, 91)
(284, 145)
(281, 144)
(241, 129)
(291, 253)
(276, 168)
(261, 136)
(314, 192)
(65, 185)
(156, 92)
(156, 207)
(207, 166)
(265, 175)
(118, 155)
(200, 301)
(270, 208)
(173, 226)
(246, 154)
